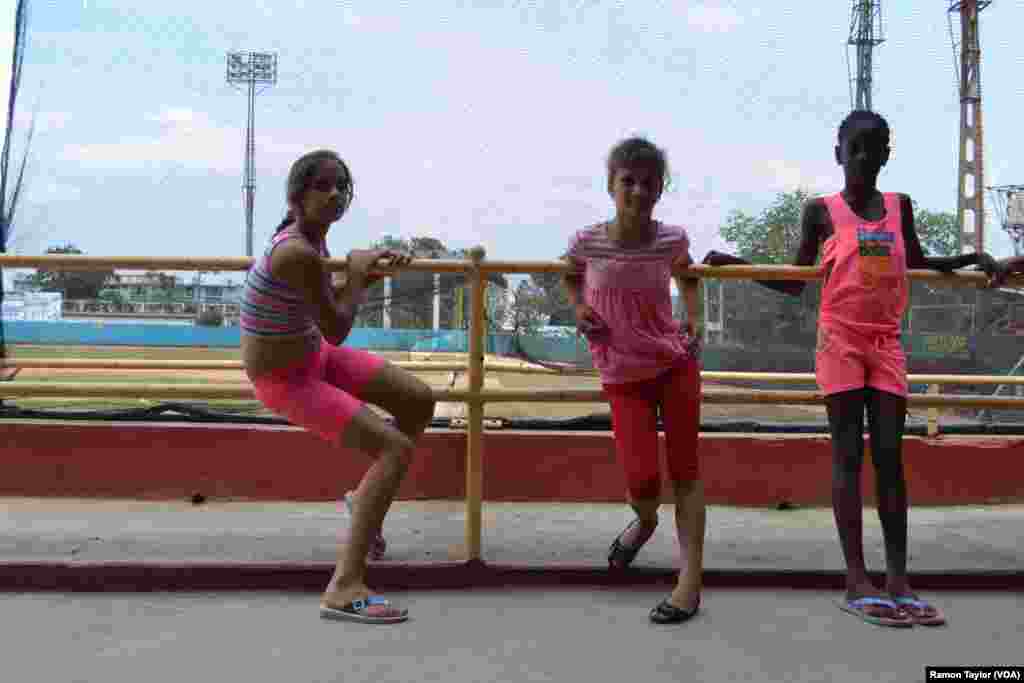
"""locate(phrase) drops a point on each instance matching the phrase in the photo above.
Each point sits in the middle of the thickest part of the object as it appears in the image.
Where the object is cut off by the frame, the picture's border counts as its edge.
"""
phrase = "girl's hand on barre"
(361, 261)
(389, 260)
(717, 258)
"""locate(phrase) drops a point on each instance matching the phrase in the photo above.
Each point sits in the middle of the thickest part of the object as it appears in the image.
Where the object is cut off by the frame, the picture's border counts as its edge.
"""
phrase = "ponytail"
(288, 219)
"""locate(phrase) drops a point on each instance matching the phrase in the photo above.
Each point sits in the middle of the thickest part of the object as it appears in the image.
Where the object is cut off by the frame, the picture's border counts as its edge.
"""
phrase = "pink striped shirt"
(630, 290)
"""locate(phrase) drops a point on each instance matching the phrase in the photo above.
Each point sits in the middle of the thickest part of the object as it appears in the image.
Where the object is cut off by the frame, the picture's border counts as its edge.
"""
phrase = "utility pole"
(971, 173)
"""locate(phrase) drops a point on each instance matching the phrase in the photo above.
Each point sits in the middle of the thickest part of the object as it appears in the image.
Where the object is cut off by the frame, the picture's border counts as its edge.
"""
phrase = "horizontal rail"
(499, 366)
(234, 391)
(790, 377)
(221, 264)
(752, 272)
(134, 364)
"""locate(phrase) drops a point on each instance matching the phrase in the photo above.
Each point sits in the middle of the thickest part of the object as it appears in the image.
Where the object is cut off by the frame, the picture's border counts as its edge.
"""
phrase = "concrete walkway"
(496, 635)
(114, 544)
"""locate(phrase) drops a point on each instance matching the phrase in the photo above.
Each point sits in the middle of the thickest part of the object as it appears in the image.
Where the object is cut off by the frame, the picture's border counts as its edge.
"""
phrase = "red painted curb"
(168, 461)
(148, 577)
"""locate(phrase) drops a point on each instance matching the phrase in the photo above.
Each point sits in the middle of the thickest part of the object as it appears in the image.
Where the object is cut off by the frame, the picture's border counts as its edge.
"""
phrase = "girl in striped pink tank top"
(294, 322)
(869, 242)
(619, 278)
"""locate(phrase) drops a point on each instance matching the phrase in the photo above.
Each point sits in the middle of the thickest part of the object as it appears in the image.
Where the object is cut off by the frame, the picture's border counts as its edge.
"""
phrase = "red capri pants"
(635, 408)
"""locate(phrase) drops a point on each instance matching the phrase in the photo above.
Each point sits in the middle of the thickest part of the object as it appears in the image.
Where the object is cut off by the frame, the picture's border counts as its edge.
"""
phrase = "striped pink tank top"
(271, 308)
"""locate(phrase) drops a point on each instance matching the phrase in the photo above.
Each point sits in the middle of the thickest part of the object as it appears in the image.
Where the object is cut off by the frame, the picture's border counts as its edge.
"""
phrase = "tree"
(938, 231)
(555, 303)
(73, 284)
(9, 202)
(772, 236)
(412, 292)
(165, 284)
(527, 308)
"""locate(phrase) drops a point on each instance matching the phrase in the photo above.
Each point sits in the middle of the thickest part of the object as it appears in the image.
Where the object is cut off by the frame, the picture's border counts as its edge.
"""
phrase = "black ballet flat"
(666, 613)
(620, 556)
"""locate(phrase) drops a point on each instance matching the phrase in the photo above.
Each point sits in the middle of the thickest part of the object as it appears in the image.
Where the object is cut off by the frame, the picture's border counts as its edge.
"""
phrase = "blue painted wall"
(148, 334)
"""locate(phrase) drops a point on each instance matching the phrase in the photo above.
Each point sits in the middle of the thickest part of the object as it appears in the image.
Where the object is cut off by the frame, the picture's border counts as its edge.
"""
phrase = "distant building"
(32, 306)
(151, 294)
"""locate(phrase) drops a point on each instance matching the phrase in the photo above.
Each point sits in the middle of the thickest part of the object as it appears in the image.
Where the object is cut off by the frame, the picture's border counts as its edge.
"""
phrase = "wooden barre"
(808, 377)
(214, 265)
(132, 364)
(135, 364)
(499, 366)
(752, 272)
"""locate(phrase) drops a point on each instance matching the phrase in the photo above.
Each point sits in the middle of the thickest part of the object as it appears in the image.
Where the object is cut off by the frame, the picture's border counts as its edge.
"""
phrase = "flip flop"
(856, 608)
(917, 608)
(378, 546)
(357, 610)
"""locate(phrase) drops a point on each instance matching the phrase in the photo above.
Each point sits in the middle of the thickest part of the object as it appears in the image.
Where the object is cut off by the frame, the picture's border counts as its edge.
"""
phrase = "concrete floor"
(476, 636)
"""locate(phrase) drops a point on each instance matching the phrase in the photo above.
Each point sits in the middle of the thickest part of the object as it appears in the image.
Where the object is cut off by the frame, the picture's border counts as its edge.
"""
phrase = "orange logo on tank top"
(874, 250)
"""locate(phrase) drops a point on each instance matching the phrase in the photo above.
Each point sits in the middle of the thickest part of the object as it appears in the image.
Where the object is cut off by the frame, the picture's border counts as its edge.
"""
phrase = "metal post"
(475, 433)
(970, 200)
(437, 302)
(250, 166)
(933, 413)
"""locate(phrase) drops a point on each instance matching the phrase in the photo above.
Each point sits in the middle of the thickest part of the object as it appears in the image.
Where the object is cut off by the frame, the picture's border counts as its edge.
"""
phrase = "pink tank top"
(865, 262)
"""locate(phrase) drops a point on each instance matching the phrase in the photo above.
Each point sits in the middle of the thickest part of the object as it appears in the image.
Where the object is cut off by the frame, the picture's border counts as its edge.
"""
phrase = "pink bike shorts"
(320, 392)
(848, 359)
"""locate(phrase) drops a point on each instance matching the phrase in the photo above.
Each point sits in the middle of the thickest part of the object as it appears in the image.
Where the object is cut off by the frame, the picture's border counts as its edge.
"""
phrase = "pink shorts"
(320, 392)
(847, 359)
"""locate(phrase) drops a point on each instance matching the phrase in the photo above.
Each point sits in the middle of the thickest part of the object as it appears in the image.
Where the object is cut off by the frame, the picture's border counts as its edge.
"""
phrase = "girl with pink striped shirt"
(868, 242)
(294, 320)
(618, 281)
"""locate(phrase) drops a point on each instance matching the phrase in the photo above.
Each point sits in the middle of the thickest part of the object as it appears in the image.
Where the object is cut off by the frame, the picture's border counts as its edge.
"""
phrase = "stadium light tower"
(252, 70)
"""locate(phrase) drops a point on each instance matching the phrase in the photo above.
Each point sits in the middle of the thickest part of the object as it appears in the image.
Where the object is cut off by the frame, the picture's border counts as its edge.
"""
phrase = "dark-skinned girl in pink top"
(868, 242)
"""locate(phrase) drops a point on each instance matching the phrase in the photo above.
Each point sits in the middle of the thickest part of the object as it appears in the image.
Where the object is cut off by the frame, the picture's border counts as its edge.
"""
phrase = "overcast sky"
(476, 122)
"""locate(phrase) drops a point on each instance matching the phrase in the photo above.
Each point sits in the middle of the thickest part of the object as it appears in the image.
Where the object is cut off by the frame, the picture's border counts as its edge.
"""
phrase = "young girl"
(293, 322)
(619, 277)
(869, 242)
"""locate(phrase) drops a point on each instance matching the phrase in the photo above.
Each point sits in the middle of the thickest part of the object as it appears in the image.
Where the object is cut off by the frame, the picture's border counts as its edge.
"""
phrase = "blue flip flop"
(915, 606)
(357, 611)
(857, 605)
